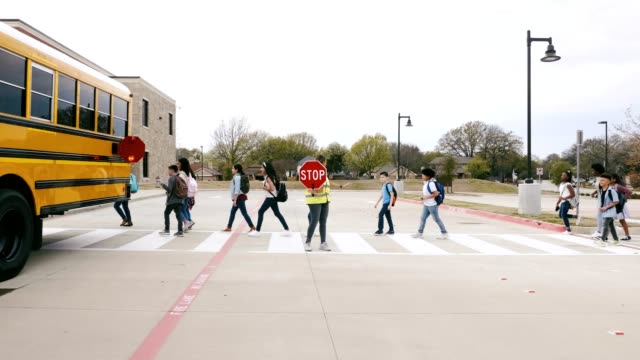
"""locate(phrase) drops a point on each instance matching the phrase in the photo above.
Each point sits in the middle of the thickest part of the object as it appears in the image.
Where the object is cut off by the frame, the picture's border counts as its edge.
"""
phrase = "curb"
(489, 215)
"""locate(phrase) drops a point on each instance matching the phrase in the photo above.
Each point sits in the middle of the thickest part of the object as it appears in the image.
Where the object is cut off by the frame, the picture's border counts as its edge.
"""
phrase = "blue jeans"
(240, 205)
(186, 214)
(431, 210)
(385, 212)
(564, 214)
(318, 213)
(600, 221)
(125, 215)
(270, 202)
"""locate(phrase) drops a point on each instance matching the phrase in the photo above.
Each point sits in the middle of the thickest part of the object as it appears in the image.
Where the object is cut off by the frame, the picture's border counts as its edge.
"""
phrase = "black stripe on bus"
(51, 184)
(56, 128)
(61, 208)
(50, 155)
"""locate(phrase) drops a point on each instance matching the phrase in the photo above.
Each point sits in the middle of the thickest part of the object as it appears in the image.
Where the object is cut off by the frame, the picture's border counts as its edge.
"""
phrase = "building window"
(66, 101)
(12, 83)
(170, 124)
(120, 116)
(145, 165)
(87, 107)
(145, 112)
(104, 112)
(41, 92)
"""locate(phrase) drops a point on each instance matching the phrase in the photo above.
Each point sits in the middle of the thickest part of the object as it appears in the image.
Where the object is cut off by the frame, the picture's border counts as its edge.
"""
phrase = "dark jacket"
(170, 187)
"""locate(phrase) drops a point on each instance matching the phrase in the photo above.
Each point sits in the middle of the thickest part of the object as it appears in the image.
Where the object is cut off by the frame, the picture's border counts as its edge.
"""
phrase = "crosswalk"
(343, 243)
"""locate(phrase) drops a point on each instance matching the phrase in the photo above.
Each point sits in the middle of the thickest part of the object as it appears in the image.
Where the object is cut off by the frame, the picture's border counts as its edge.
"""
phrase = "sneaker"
(391, 232)
(254, 233)
(567, 232)
(123, 223)
(626, 238)
(417, 235)
(179, 234)
(164, 232)
(307, 246)
(129, 223)
(227, 229)
(444, 236)
(191, 223)
(324, 247)
(596, 234)
(378, 233)
(286, 233)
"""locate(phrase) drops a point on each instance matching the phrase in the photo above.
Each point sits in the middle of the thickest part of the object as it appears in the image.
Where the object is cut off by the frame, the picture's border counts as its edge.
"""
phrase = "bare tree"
(232, 142)
(464, 140)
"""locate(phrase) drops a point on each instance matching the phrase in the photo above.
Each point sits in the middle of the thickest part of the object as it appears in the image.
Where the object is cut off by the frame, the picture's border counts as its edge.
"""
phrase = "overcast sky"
(341, 69)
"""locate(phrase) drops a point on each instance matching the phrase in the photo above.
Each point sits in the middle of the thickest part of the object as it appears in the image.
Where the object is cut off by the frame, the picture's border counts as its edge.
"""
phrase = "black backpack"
(283, 196)
(395, 193)
(244, 184)
(621, 200)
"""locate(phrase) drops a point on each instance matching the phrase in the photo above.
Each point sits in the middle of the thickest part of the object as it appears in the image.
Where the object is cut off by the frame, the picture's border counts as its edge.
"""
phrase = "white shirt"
(564, 191)
(273, 193)
(429, 186)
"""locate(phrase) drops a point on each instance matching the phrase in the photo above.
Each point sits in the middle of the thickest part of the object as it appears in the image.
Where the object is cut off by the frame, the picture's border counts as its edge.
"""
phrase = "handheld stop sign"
(313, 174)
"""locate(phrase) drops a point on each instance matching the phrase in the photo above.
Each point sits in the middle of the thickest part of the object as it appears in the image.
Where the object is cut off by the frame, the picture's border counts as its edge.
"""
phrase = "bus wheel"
(16, 233)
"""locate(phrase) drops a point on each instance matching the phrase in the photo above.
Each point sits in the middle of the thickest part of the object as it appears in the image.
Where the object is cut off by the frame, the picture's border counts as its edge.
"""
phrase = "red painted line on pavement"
(160, 333)
(508, 218)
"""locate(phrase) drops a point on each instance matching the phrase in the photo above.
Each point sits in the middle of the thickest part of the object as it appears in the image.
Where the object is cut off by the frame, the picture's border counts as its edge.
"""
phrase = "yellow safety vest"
(322, 198)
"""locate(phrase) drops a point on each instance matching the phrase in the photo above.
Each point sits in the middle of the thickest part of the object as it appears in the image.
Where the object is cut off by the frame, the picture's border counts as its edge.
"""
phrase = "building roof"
(391, 169)
(197, 168)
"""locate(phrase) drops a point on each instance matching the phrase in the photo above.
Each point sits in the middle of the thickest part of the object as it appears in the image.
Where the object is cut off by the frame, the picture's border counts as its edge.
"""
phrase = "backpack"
(192, 187)
(282, 193)
(134, 183)
(182, 189)
(395, 194)
(621, 201)
(244, 184)
(440, 198)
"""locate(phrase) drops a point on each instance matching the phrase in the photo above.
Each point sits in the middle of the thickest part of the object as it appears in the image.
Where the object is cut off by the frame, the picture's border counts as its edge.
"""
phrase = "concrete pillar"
(399, 185)
(529, 199)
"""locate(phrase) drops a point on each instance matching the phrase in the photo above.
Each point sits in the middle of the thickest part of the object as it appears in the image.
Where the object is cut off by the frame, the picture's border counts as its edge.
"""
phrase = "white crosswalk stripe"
(343, 243)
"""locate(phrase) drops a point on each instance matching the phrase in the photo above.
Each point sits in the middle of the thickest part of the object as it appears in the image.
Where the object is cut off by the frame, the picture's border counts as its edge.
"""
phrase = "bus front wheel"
(16, 233)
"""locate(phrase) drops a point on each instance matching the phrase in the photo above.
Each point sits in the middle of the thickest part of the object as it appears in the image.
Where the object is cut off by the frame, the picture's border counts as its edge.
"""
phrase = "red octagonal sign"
(313, 174)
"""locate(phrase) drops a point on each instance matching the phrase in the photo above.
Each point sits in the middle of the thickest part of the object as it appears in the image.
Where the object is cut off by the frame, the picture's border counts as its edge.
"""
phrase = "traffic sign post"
(540, 172)
(313, 174)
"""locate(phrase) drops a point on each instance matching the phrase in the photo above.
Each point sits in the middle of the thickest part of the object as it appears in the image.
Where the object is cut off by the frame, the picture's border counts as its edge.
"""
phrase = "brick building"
(153, 113)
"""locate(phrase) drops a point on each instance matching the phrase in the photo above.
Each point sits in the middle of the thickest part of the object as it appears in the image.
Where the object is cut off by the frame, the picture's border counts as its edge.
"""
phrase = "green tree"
(556, 170)
(369, 153)
(449, 168)
(336, 155)
(478, 168)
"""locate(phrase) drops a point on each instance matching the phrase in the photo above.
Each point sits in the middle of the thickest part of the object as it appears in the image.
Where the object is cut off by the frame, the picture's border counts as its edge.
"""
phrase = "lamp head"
(602, 122)
(408, 124)
(550, 55)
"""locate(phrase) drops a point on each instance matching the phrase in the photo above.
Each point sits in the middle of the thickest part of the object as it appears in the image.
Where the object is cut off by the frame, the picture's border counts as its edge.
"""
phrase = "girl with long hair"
(564, 200)
(188, 175)
(618, 185)
(238, 198)
(270, 185)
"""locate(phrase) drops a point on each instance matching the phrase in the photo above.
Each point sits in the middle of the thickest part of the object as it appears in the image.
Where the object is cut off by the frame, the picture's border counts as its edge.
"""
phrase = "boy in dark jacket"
(174, 203)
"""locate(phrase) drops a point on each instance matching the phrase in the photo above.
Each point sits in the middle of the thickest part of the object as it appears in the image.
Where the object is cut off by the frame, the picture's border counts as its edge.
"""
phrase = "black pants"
(177, 208)
(270, 202)
(240, 205)
(318, 213)
(609, 226)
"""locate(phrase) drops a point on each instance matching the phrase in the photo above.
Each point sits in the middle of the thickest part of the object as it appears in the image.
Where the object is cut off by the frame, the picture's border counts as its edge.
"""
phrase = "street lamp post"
(408, 124)
(202, 163)
(550, 56)
(606, 142)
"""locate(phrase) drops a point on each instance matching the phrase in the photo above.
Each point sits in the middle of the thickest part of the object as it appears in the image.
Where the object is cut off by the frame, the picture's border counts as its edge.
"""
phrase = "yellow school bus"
(63, 127)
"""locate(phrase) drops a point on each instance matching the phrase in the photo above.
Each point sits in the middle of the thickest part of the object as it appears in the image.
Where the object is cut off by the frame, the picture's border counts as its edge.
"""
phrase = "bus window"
(104, 112)
(12, 83)
(120, 116)
(87, 107)
(66, 101)
(41, 92)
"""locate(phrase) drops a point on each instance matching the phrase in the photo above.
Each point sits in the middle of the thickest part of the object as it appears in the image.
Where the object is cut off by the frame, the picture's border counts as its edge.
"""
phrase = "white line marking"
(540, 245)
(479, 245)
(352, 243)
(80, 241)
(589, 243)
(417, 246)
(214, 242)
(49, 231)
(279, 243)
(148, 242)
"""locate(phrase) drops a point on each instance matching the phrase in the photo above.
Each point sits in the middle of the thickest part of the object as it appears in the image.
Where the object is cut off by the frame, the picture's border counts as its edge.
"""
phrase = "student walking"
(618, 185)
(388, 199)
(270, 185)
(608, 201)
(565, 200)
(430, 206)
(189, 177)
(122, 207)
(174, 202)
(239, 197)
(318, 202)
(598, 170)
